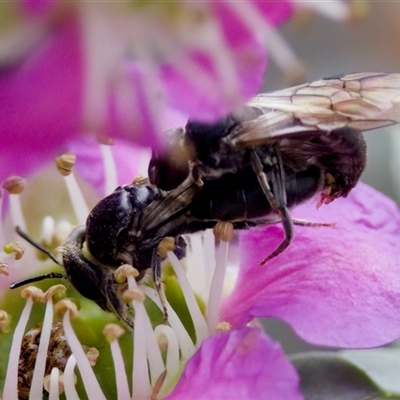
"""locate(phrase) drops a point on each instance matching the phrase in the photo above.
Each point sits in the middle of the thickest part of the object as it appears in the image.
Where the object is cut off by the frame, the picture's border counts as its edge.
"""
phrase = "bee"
(282, 138)
(113, 235)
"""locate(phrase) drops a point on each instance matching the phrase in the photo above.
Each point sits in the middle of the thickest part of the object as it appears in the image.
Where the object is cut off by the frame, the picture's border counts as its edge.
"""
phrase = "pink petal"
(41, 100)
(130, 161)
(38, 7)
(335, 286)
(276, 12)
(240, 364)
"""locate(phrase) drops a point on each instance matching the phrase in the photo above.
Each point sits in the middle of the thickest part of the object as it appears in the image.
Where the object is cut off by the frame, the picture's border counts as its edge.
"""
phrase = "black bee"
(277, 137)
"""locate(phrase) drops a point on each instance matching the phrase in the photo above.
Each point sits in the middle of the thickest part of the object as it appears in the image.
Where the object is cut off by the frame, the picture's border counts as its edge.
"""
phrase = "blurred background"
(328, 48)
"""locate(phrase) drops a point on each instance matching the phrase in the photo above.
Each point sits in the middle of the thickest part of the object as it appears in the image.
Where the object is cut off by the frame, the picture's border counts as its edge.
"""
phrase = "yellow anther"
(223, 327)
(133, 294)
(65, 163)
(66, 305)
(4, 322)
(113, 332)
(33, 292)
(4, 270)
(167, 244)
(57, 292)
(14, 247)
(124, 271)
(14, 184)
(224, 230)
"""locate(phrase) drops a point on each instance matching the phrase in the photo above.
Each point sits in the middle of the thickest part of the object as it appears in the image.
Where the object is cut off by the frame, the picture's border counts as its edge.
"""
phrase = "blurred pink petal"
(41, 101)
(240, 364)
(130, 161)
(335, 286)
(122, 72)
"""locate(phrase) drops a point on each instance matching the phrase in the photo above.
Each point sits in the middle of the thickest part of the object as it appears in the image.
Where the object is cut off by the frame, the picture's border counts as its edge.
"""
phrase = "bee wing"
(361, 101)
(167, 207)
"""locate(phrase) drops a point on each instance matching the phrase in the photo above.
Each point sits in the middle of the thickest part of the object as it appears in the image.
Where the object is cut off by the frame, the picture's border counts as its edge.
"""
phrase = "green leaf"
(328, 376)
(382, 365)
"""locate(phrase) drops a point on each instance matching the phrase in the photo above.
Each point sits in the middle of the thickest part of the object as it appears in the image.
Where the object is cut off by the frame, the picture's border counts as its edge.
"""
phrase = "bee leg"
(113, 293)
(289, 234)
(303, 222)
(156, 271)
(276, 197)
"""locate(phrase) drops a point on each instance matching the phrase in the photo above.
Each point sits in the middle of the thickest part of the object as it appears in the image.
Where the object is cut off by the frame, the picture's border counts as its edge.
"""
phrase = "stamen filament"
(77, 200)
(217, 285)
(185, 342)
(36, 389)
(140, 375)
(199, 321)
(282, 54)
(54, 384)
(69, 379)
(10, 391)
(90, 382)
(120, 373)
(156, 364)
(201, 259)
(172, 362)
(16, 213)
(110, 170)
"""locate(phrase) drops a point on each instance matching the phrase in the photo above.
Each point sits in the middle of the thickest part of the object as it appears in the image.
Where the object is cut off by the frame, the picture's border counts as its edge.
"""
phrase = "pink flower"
(337, 286)
(124, 71)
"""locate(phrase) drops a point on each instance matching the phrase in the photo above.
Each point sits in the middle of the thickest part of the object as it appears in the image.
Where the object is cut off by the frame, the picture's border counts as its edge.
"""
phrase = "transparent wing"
(362, 101)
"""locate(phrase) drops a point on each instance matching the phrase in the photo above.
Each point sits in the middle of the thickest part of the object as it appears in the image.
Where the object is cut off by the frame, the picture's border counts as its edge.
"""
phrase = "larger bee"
(247, 169)
(308, 132)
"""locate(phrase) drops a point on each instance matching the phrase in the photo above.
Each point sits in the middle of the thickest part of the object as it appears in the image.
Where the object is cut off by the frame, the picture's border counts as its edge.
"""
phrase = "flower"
(129, 70)
(335, 286)
(242, 355)
(223, 347)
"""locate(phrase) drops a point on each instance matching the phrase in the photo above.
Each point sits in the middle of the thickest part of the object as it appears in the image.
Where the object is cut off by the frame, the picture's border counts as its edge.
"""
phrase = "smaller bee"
(114, 235)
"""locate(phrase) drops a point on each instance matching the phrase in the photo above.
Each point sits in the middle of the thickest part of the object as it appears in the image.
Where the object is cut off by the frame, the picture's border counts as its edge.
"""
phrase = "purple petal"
(335, 286)
(240, 364)
(246, 49)
(130, 161)
(38, 7)
(41, 101)
(276, 12)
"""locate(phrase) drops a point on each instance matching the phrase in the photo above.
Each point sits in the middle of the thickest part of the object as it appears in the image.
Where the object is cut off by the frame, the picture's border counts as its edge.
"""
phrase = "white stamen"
(172, 362)
(201, 262)
(199, 321)
(217, 286)
(16, 211)
(278, 49)
(77, 200)
(89, 379)
(120, 373)
(48, 226)
(140, 379)
(10, 391)
(54, 391)
(156, 364)
(110, 170)
(334, 9)
(40, 364)
(185, 342)
(70, 379)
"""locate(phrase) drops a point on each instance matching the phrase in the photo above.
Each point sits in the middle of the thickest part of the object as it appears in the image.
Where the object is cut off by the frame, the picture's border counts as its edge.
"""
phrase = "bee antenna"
(37, 245)
(51, 275)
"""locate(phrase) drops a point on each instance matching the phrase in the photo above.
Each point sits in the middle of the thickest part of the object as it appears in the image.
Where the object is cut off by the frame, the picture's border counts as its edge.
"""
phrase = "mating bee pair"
(247, 169)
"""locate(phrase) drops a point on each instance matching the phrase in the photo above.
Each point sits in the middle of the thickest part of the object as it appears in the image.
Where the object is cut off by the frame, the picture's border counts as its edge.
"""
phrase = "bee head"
(344, 166)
